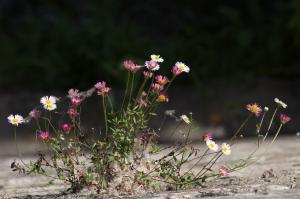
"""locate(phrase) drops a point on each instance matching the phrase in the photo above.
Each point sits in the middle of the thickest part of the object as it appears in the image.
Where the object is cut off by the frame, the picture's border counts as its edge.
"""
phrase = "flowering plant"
(125, 157)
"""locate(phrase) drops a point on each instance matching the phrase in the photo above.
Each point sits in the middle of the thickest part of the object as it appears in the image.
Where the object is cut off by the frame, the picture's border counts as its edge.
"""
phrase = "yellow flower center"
(212, 145)
(254, 108)
(15, 120)
(48, 102)
(181, 67)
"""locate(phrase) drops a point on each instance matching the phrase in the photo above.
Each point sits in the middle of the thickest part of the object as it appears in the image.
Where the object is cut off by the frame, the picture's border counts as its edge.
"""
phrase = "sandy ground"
(276, 174)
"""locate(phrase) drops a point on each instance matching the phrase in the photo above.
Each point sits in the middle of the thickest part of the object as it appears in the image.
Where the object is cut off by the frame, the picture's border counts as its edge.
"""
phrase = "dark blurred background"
(238, 51)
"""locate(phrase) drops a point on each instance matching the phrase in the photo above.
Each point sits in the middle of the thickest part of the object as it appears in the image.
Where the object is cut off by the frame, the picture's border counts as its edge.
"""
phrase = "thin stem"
(171, 81)
(259, 128)
(131, 89)
(141, 88)
(110, 103)
(277, 133)
(16, 143)
(261, 122)
(206, 151)
(105, 115)
(126, 91)
(271, 122)
(240, 128)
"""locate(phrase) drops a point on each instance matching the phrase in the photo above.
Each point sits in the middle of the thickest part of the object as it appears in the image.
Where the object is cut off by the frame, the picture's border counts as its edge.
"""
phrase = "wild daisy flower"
(226, 149)
(156, 87)
(152, 65)
(49, 102)
(75, 101)
(207, 136)
(179, 68)
(284, 118)
(67, 128)
(35, 113)
(102, 88)
(254, 108)
(223, 171)
(157, 58)
(185, 119)
(73, 112)
(162, 97)
(162, 80)
(45, 136)
(212, 145)
(73, 93)
(147, 74)
(15, 120)
(131, 66)
(280, 103)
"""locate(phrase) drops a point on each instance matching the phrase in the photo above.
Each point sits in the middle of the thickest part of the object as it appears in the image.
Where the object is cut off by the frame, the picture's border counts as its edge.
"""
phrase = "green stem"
(105, 115)
(131, 89)
(16, 143)
(204, 154)
(110, 103)
(141, 88)
(170, 83)
(277, 133)
(240, 128)
(271, 122)
(126, 91)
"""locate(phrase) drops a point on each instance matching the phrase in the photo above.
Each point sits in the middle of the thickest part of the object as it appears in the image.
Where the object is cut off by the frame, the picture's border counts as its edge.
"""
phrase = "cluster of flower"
(257, 110)
(49, 103)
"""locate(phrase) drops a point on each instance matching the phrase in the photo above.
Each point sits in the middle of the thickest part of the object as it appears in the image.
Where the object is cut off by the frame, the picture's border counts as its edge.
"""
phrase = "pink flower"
(131, 66)
(104, 91)
(76, 101)
(148, 74)
(35, 113)
(152, 65)
(179, 68)
(100, 85)
(102, 88)
(254, 108)
(45, 136)
(156, 87)
(73, 112)
(73, 93)
(284, 118)
(142, 102)
(223, 171)
(162, 80)
(67, 128)
(207, 136)
(176, 71)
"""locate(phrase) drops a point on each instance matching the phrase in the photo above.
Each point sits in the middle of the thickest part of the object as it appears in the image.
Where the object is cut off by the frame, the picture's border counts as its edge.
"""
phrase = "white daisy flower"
(157, 58)
(212, 145)
(181, 66)
(49, 102)
(185, 119)
(152, 65)
(15, 119)
(226, 149)
(280, 103)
